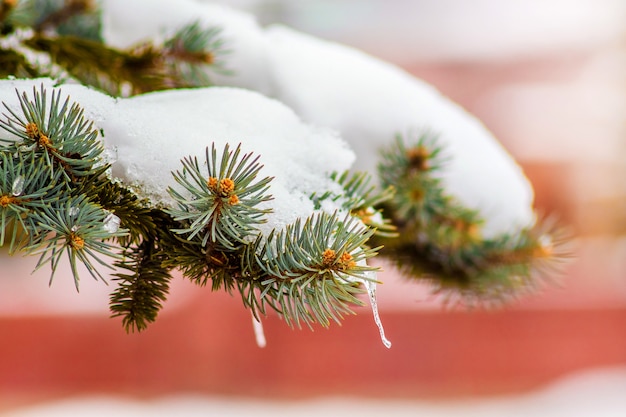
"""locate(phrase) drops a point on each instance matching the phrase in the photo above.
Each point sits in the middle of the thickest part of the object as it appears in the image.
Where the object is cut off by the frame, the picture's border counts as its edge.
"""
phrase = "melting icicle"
(371, 291)
(18, 186)
(259, 334)
(111, 223)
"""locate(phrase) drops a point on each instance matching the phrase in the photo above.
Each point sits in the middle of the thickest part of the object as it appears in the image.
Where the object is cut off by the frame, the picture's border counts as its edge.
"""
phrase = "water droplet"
(111, 223)
(73, 211)
(545, 241)
(259, 334)
(26, 148)
(371, 291)
(74, 228)
(18, 186)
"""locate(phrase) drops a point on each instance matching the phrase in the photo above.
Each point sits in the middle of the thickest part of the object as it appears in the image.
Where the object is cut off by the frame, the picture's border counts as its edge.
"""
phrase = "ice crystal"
(18, 186)
(111, 223)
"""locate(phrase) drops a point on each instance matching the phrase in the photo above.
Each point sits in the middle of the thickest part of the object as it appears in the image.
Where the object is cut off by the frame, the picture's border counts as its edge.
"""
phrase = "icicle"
(18, 186)
(111, 223)
(371, 291)
(259, 334)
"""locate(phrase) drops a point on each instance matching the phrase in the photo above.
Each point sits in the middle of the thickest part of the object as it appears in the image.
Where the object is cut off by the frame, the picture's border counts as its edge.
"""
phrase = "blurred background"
(548, 78)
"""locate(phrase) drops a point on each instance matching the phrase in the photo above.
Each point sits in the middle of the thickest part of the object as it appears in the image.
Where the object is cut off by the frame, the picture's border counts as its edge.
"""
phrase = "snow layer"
(365, 99)
(150, 134)
(370, 101)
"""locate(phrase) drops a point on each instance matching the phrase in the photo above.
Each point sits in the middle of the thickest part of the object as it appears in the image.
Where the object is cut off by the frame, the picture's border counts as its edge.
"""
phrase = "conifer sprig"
(221, 203)
(309, 273)
(24, 187)
(66, 37)
(193, 53)
(441, 241)
(314, 270)
(142, 290)
(359, 197)
(49, 152)
(140, 219)
(58, 132)
(78, 228)
(80, 18)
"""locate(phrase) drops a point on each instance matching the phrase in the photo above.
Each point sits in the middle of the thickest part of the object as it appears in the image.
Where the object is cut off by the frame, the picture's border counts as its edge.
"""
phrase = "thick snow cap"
(366, 100)
(147, 136)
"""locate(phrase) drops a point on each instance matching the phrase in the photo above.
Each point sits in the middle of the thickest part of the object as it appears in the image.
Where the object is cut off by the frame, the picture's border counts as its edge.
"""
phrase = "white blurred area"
(450, 30)
(26, 291)
(580, 102)
(598, 393)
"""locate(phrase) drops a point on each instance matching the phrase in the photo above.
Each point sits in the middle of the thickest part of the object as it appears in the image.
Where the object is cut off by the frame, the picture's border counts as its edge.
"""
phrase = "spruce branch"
(116, 72)
(315, 270)
(360, 198)
(24, 187)
(62, 12)
(220, 206)
(57, 201)
(192, 51)
(308, 273)
(66, 34)
(49, 151)
(57, 131)
(137, 215)
(441, 241)
(14, 64)
(78, 228)
(141, 292)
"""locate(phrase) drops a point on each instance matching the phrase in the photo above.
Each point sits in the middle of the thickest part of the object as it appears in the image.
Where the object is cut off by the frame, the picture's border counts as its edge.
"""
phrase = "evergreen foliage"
(222, 205)
(52, 151)
(440, 240)
(57, 199)
(61, 39)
